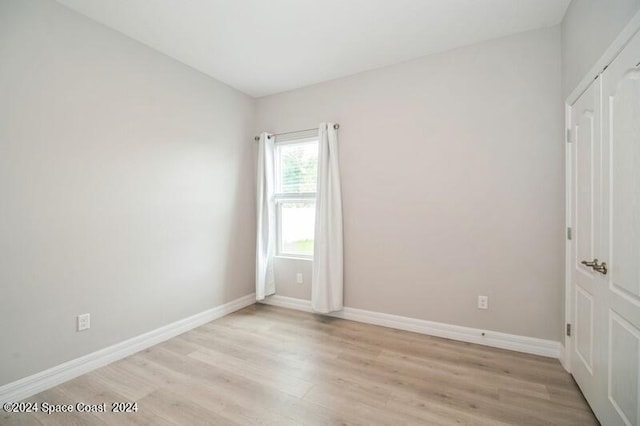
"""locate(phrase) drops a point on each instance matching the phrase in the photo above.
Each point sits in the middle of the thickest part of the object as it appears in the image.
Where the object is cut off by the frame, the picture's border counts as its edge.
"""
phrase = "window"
(296, 168)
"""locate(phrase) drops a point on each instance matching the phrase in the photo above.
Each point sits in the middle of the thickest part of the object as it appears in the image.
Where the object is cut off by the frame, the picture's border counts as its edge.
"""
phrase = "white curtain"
(266, 233)
(327, 277)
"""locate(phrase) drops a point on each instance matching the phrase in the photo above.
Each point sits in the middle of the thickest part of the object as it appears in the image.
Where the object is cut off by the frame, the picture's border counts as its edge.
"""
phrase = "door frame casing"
(609, 56)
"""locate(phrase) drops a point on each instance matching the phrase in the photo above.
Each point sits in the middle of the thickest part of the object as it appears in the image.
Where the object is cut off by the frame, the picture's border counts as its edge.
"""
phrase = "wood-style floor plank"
(268, 365)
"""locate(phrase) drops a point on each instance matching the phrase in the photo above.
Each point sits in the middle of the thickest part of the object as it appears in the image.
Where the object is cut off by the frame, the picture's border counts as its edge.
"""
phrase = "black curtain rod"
(257, 138)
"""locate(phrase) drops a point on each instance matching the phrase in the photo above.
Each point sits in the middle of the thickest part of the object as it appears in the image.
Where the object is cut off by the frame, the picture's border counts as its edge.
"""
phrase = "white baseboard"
(54, 376)
(530, 345)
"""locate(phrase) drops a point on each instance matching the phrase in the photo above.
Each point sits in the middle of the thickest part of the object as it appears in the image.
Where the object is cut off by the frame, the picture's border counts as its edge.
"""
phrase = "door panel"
(584, 332)
(584, 131)
(624, 111)
(624, 368)
(620, 242)
(585, 116)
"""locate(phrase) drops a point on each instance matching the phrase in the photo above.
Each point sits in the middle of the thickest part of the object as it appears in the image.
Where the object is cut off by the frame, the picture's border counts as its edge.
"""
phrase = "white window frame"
(279, 197)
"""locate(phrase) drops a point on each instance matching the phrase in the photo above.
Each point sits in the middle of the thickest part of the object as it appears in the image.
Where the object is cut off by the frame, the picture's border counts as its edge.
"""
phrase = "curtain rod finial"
(336, 126)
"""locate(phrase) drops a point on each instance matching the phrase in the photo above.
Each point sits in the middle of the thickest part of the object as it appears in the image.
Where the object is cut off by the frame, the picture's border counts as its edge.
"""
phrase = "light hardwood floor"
(268, 365)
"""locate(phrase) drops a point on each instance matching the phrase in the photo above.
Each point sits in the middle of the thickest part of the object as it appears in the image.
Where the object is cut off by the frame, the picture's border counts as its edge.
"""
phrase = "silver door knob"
(602, 268)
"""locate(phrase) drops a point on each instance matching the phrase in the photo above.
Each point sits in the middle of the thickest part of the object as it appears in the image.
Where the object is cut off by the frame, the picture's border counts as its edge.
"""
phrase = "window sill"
(292, 257)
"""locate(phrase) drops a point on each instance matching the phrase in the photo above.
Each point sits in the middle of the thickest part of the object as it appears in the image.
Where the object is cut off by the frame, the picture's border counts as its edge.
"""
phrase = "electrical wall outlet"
(84, 322)
(483, 302)
(299, 278)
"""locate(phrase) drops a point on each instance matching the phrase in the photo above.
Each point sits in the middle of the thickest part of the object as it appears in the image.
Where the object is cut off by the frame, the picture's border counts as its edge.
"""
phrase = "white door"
(605, 354)
(620, 246)
(586, 136)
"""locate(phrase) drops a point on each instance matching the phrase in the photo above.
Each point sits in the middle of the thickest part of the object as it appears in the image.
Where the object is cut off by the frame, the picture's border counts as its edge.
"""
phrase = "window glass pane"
(297, 222)
(298, 167)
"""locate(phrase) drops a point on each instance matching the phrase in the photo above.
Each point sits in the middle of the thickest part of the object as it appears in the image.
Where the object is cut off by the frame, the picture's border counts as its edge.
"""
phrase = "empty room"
(319, 212)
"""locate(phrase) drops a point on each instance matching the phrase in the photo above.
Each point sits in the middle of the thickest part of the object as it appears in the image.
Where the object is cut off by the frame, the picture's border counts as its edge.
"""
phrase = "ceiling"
(263, 47)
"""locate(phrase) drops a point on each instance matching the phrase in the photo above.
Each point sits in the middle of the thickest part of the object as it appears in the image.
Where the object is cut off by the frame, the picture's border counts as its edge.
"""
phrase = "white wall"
(588, 28)
(126, 182)
(452, 171)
